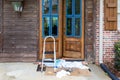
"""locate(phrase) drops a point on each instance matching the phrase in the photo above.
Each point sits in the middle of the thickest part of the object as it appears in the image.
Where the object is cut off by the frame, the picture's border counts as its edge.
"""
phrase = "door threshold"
(72, 59)
(66, 59)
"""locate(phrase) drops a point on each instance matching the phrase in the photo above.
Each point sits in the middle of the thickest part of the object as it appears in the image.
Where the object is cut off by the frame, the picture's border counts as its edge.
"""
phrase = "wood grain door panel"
(49, 47)
(72, 48)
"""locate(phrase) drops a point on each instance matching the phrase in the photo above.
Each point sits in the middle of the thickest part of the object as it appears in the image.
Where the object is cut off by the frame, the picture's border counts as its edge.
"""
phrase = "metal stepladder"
(44, 52)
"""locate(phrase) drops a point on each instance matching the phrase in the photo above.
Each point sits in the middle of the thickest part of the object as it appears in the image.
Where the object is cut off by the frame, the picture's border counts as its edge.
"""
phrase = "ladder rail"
(44, 52)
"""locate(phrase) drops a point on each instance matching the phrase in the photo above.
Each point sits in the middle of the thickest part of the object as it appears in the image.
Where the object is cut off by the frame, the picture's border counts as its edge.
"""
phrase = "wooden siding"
(0, 26)
(20, 31)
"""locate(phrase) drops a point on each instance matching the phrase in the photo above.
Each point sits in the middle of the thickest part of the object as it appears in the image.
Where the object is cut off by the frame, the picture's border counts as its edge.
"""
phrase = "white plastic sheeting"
(62, 73)
(62, 63)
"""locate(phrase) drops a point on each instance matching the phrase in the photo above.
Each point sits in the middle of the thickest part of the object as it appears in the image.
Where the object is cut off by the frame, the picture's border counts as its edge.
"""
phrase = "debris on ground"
(65, 64)
(15, 73)
(62, 73)
(65, 68)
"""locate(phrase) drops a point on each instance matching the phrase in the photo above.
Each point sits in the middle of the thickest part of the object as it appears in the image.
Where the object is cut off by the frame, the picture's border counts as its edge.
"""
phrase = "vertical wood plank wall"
(20, 42)
(0, 26)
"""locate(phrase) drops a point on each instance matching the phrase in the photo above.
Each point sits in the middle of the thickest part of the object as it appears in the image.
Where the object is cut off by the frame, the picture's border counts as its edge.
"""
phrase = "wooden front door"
(63, 20)
(73, 46)
(50, 25)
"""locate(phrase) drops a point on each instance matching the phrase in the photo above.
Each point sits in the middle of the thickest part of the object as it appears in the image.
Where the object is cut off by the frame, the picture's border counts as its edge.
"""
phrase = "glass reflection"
(69, 7)
(77, 6)
(46, 26)
(46, 6)
(54, 6)
(69, 26)
(54, 26)
(77, 26)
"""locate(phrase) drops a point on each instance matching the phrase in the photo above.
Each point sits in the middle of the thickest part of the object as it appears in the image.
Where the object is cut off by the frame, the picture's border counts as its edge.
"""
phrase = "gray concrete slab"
(27, 71)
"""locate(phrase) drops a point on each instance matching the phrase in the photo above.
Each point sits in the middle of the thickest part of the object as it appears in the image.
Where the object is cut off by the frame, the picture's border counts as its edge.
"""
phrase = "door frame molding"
(83, 30)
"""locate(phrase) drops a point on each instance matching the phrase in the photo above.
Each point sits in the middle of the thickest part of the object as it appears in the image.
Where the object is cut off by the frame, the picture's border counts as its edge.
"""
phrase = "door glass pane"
(69, 7)
(77, 6)
(69, 26)
(46, 25)
(46, 6)
(54, 26)
(77, 26)
(54, 6)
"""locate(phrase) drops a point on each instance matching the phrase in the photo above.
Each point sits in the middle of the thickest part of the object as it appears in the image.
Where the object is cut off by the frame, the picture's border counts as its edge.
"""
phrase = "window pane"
(69, 7)
(46, 6)
(69, 26)
(77, 6)
(46, 26)
(54, 26)
(77, 27)
(54, 6)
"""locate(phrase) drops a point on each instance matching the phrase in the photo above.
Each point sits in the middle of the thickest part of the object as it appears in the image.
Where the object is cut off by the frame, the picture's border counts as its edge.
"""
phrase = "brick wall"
(97, 32)
(89, 30)
(109, 38)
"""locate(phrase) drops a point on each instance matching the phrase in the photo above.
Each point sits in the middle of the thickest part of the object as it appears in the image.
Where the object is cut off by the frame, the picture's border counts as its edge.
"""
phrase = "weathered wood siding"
(0, 26)
(20, 31)
(89, 29)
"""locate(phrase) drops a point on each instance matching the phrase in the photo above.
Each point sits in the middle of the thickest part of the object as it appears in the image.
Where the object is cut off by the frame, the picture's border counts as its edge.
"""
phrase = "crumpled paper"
(62, 73)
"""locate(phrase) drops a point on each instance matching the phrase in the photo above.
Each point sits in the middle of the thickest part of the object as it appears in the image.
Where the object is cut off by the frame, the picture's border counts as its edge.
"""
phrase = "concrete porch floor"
(27, 71)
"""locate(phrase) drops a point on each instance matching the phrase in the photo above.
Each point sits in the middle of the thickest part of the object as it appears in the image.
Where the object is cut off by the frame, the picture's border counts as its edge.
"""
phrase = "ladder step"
(49, 52)
(46, 59)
